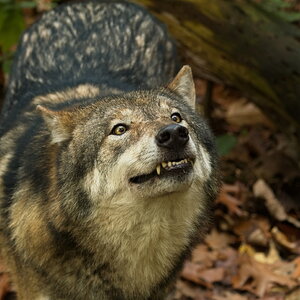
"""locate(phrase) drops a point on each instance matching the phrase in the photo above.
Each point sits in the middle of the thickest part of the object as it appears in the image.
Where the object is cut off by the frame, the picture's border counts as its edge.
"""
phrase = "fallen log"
(242, 44)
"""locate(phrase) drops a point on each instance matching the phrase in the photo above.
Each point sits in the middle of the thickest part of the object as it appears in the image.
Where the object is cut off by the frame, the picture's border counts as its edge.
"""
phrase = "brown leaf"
(191, 272)
(262, 190)
(255, 231)
(242, 112)
(275, 208)
(271, 258)
(188, 290)
(294, 295)
(216, 240)
(283, 240)
(202, 256)
(229, 197)
(212, 275)
(262, 275)
(230, 296)
(296, 273)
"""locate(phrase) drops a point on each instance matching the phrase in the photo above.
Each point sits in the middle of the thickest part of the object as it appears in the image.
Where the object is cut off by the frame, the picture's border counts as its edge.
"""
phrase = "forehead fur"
(149, 103)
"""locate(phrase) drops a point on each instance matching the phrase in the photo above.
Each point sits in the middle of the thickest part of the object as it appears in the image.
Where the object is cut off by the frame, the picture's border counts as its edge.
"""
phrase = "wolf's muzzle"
(172, 136)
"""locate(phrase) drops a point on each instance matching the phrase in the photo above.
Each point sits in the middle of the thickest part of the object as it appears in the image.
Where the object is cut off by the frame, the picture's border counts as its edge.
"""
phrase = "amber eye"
(176, 117)
(119, 129)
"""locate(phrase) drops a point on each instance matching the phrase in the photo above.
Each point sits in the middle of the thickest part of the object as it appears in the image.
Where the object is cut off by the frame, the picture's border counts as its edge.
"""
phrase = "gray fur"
(75, 222)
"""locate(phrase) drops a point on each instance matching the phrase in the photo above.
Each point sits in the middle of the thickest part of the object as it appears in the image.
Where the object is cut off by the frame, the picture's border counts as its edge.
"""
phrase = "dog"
(107, 172)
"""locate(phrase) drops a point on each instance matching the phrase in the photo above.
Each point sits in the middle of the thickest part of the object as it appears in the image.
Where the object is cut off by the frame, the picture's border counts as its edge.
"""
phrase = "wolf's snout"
(172, 136)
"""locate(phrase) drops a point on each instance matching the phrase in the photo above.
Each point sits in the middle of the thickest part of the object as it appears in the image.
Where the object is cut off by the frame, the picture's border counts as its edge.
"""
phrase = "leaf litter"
(253, 249)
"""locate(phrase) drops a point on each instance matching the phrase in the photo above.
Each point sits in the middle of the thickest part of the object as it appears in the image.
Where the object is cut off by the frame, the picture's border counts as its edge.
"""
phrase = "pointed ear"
(60, 123)
(183, 85)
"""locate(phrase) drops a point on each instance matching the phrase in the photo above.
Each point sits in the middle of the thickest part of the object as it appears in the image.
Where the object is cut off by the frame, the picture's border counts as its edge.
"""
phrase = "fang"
(158, 170)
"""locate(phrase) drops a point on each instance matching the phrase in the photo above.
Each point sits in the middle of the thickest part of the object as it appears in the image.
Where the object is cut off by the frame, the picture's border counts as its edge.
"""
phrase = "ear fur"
(183, 85)
(60, 123)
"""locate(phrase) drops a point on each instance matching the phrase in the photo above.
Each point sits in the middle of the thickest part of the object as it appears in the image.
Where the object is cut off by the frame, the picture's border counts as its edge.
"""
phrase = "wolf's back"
(115, 44)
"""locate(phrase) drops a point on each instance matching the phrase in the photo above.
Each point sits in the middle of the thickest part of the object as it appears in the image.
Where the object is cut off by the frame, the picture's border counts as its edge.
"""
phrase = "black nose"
(172, 136)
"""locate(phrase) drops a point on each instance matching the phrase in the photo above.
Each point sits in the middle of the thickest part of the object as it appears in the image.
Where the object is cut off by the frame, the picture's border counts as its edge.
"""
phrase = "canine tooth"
(169, 164)
(185, 160)
(164, 164)
(158, 170)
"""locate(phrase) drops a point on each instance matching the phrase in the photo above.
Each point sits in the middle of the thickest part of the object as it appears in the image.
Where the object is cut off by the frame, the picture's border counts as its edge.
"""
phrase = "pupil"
(176, 118)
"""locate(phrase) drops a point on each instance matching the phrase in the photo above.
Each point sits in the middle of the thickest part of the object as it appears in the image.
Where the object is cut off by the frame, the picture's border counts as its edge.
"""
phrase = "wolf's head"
(132, 178)
(140, 146)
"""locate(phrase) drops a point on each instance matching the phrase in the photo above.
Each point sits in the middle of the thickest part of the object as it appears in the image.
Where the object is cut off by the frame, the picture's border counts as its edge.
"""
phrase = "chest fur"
(149, 238)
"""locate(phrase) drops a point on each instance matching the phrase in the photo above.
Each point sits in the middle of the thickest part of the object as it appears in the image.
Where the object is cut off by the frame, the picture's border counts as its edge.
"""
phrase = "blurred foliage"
(12, 22)
(12, 25)
(282, 8)
(225, 143)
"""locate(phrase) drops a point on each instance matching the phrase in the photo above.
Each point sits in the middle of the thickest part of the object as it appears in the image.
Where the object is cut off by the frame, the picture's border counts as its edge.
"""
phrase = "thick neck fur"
(146, 237)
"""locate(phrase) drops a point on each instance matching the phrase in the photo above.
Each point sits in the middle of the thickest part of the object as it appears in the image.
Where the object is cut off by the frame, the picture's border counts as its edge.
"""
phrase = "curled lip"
(165, 168)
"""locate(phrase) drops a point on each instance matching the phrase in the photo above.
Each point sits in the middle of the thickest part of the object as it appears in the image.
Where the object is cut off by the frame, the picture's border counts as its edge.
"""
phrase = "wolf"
(107, 172)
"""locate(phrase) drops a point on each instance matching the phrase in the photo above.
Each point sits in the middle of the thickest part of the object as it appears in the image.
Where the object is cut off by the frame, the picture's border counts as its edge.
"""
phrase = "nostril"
(163, 137)
(183, 132)
(172, 136)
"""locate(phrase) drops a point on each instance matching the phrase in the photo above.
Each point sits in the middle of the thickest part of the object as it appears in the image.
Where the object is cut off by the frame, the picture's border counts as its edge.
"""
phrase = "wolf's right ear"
(60, 123)
(183, 85)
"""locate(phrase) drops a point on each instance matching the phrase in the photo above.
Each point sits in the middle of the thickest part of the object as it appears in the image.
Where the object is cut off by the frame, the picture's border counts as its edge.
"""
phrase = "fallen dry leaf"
(283, 240)
(230, 296)
(218, 240)
(257, 277)
(271, 258)
(294, 295)
(296, 273)
(191, 272)
(242, 112)
(185, 289)
(261, 189)
(254, 231)
(202, 256)
(229, 197)
(212, 275)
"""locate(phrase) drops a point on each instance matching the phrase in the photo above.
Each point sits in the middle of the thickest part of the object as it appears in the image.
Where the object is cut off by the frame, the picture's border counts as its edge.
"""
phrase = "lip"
(179, 167)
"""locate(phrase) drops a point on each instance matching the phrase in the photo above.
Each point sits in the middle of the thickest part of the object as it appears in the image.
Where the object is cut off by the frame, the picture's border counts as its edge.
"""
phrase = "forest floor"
(253, 249)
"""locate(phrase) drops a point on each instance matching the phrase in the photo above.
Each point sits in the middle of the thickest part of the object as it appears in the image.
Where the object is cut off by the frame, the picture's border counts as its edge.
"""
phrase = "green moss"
(200, 29)
(211, 9)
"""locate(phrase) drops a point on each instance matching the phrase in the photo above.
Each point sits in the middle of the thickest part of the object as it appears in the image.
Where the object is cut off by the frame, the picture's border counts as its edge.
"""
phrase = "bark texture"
(240, 43)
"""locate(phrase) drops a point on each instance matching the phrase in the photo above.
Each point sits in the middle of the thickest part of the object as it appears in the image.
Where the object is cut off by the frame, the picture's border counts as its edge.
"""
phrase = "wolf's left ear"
(60, 123)
(183, 85)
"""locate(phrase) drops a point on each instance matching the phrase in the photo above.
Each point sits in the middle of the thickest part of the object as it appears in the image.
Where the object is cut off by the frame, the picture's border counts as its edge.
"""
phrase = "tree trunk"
(240, 43)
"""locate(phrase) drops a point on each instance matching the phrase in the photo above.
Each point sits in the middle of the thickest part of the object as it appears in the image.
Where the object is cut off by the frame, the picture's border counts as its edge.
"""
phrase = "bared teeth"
(169, 164)
(158, 170)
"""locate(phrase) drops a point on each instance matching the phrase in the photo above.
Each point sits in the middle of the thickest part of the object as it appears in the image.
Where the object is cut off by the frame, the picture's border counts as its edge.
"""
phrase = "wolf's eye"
(176, 117)
(119, 129)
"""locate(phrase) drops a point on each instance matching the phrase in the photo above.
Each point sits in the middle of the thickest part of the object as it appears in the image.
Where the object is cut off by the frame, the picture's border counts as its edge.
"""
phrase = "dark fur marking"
(83, 203)
(12, 176)
(63, 240)
(68, 249)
